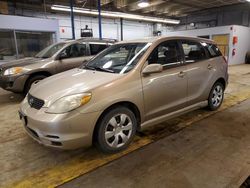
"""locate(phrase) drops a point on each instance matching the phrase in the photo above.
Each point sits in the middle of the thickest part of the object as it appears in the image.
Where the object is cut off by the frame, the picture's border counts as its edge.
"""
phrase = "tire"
(248, 58)
(31, 81)
(118, 135)
(216, 96)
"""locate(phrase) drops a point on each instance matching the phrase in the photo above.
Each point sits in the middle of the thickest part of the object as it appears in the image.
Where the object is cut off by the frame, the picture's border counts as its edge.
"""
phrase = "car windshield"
(50, 50)
(119, 58)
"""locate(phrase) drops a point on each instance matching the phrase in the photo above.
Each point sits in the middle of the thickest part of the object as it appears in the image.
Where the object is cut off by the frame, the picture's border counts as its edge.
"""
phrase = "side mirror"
(62, 55)
(152, 68)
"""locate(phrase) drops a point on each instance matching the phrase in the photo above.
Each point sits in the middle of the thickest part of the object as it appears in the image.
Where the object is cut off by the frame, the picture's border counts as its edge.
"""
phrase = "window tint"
(96, 48)
(193, 51)
(75, 50)
(167, 53)
(213, 50)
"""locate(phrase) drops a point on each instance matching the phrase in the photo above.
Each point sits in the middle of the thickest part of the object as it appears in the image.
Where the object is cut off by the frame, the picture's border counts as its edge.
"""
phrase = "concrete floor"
(214, 152)
(211, 152)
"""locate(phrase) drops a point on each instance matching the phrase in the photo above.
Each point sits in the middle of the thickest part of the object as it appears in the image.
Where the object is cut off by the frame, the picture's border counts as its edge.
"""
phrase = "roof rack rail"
(93, 38)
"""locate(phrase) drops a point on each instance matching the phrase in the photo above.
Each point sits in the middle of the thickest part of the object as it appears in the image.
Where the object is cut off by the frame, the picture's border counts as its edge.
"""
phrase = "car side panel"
(164, 92)
(70, 63)
(125, 89)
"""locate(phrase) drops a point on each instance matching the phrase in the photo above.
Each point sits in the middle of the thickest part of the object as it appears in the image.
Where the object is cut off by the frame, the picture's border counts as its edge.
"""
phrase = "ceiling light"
(115, 14)
(143, 4)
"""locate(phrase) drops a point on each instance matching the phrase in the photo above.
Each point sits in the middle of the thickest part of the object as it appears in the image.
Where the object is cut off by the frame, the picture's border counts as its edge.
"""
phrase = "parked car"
(19, 75)
(127, 87)
(248, 57)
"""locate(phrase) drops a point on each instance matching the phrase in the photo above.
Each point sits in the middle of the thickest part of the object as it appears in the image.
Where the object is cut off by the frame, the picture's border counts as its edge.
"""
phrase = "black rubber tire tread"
(99, 139)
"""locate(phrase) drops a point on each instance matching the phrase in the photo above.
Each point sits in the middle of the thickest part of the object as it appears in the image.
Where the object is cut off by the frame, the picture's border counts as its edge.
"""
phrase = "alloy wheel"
(217, 96)
(118, 130)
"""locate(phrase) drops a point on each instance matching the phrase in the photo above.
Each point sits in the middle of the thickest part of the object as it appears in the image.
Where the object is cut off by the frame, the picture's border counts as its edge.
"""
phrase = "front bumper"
(13, 83)
(65, 131)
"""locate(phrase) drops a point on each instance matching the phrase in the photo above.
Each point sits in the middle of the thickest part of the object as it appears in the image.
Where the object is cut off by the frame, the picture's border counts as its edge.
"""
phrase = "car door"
(166, 91)
(74, 55)
(199, 70)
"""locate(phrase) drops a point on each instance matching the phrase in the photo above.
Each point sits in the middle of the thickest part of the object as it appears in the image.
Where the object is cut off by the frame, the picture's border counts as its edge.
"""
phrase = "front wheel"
(216, 96)
(115, 130)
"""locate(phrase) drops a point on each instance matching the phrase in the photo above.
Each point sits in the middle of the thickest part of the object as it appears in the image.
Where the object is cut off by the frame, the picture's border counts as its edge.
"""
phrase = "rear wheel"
(115, 130)
(216, 96)
(248, 58)
(32, 80)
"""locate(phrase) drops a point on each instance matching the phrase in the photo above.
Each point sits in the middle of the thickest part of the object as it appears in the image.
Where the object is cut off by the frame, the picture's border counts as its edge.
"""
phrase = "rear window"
(95, 48)
(213, 50)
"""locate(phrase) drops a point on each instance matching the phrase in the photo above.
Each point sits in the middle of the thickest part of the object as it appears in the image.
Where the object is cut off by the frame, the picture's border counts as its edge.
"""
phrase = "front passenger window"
(166, 54)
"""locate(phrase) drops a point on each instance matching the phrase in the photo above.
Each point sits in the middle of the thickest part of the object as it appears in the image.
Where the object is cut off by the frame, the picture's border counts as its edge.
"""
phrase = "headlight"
(15, 70)
(69, 103)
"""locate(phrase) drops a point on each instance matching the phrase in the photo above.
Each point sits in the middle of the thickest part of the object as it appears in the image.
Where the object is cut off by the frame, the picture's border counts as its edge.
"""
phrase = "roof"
(154, 39)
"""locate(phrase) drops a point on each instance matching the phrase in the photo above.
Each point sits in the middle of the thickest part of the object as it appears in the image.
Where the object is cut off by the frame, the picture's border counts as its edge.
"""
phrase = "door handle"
(209, 67)
(181, 74)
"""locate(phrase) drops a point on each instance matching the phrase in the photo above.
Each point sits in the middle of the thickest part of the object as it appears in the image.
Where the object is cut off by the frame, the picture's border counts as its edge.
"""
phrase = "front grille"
(35, 102)
(1, 71)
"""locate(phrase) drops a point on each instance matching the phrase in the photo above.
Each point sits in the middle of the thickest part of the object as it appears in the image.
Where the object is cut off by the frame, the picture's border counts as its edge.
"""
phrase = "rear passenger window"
(213, 50)
(193, 51)
(96, 48)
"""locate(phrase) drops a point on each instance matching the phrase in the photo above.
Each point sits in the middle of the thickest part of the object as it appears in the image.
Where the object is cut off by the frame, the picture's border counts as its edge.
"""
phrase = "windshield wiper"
(103, 69)
(98, 69)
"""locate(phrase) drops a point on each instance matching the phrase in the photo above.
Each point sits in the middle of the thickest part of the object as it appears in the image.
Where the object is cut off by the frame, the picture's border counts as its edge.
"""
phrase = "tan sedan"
(127, 87)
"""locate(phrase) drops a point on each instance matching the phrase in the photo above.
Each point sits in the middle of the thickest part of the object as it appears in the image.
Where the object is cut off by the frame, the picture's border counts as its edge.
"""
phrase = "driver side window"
(167, 54)
(74, 50)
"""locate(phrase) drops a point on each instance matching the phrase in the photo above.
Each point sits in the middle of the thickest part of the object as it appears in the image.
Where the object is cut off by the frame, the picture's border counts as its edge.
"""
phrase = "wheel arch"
(130, 105)
(44, 73)
(222, 81)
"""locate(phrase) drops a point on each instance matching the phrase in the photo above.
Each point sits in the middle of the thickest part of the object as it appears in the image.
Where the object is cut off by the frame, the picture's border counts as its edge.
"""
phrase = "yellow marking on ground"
(91, 159)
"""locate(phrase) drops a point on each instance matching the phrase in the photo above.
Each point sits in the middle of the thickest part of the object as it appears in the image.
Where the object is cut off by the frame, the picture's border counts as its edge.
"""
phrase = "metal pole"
(100, 19)
(121, 22)
(72, 18)
(17, 53)
(45, 10)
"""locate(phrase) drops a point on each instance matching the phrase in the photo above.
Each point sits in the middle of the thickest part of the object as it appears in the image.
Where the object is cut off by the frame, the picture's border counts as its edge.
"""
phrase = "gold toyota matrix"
(125, 88)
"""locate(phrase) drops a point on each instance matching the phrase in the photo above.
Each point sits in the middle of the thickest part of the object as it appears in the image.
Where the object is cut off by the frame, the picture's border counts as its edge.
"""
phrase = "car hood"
(70, 82)
(19, 62)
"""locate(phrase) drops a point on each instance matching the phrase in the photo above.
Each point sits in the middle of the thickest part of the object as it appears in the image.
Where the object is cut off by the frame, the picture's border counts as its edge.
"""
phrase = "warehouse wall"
(242, 46)
(29, 24)
(238, 14)
(110, 27)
